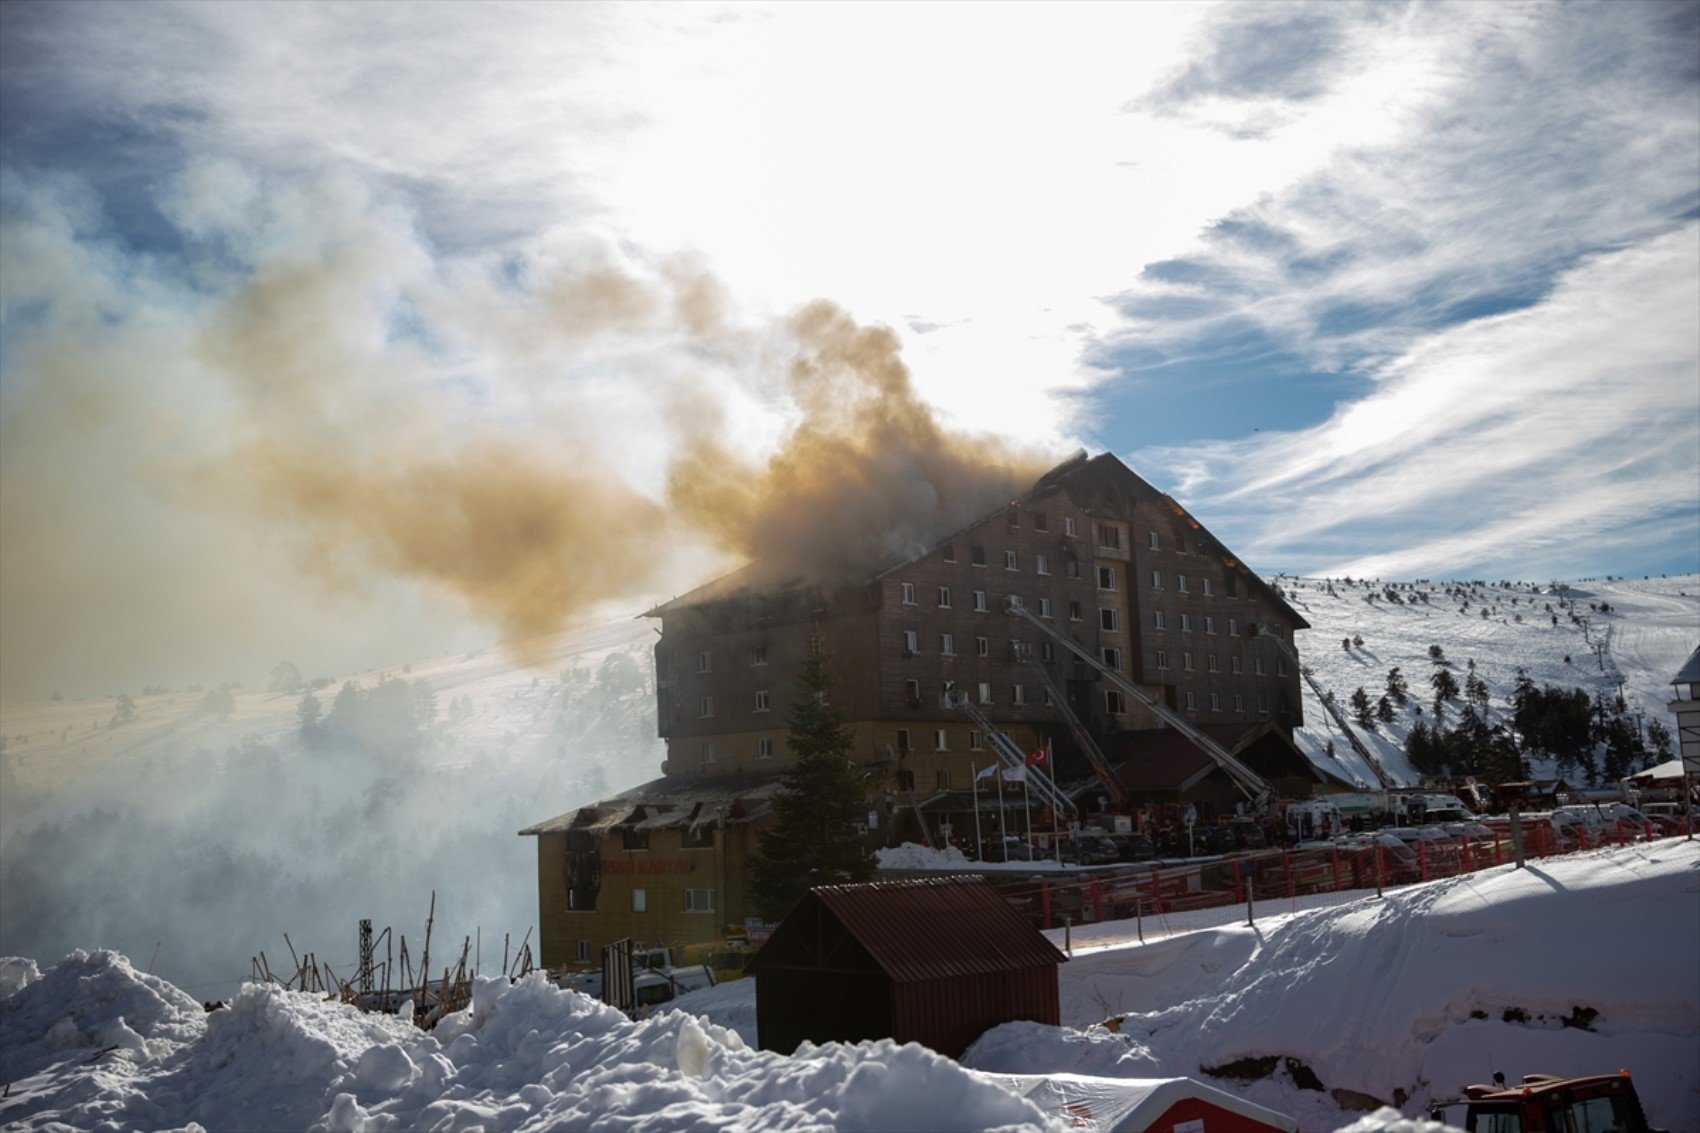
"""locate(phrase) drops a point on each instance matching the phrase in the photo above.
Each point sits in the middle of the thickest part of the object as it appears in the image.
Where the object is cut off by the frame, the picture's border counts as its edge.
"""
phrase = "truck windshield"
(1502, 1120)
(1598, 1115)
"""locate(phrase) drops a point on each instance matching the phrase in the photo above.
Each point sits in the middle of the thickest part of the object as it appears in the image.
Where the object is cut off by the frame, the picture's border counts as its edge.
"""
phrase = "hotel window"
(584, 951)
(1112, 657)
(1262, 705)
(979, 601)
(1210, 662)
(764, 748)
(1019, 694)
(1191, 702)
(1041, 522)
(699, 900)
(1180, 543)
(982, 647)
(912, 693)
(1114, 704)
(1047, 652)
(944, 597)
(1239, 703)
(1180, 584)
(911, 641)
(943, 780)
(1071, 568)
(1014, 516)
(1014, 601)
(640, 901)
(1186, 661)
(1215, 703)
(761, 700)
(1009, 560)
(1209, 624)
(705, 707)
(1208, 589)
(1108, 619)
(1233, 627)
(710, 754)
(1044, 607)
(941, 740)
(1106, 578)
(985, 692)
(1046, 694)
(903, 741)
(632, 839)
(1041, 564)
(705, 662)
(1257, 665)
(947, 644)
(1235, 665)
(1280, 667)
(976, 742)
(1159, 620)
(976, 555)
(1151, 540)
(758, 654)
(1231, 585)
(1162, 659)
(1156, 580)
(1186, 623)
(698, 837)
(1074, 612)
(1110, 537)
(907, 591)
(949, 553)
(1068, 526)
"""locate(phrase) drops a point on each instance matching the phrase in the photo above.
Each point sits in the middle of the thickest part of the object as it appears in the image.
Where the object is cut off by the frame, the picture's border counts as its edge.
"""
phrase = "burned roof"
(926, 929)
(671, 801)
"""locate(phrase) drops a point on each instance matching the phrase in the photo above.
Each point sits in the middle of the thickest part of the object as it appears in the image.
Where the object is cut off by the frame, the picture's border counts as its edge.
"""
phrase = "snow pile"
(523, 1056)
(1572, 966)
(911, 855)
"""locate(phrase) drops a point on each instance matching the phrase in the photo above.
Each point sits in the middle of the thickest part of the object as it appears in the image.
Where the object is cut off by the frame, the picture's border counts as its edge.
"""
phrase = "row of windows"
(1018, 693)
(696, 901)
(1116, 704)
(705, 705)
(1207, 586)
(941, 740)
(711, 749)
(1235, 666)
(690, 838)
(1160, 620)
(705, 659)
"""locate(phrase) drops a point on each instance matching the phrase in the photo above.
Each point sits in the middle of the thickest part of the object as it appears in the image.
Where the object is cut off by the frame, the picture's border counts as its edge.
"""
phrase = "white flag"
(1015, 774)
(986, 772)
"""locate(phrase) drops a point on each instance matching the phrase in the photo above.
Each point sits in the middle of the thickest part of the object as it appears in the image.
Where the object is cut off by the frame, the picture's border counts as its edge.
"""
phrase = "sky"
(355, 333)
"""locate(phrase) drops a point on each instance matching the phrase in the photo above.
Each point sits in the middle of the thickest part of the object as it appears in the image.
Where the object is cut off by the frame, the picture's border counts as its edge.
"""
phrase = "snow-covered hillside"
(1637, 645)
(1577, 965)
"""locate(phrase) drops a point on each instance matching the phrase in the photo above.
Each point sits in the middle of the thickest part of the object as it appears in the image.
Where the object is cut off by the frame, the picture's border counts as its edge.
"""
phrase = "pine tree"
(1445, 689)
(1397, 688)
(814, 838)
(1362, 711)
(1384, 710)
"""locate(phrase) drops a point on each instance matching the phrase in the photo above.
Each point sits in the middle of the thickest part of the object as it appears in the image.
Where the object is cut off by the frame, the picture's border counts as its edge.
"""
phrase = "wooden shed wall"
(949, 1014)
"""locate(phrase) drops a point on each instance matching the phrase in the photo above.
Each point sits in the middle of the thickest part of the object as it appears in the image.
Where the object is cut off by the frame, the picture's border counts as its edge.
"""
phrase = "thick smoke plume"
(332, 400)
(867, 475)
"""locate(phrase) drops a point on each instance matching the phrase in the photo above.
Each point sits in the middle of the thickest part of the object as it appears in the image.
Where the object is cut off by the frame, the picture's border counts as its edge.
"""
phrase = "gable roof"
(926, 929)
(1690, 671)
(1104, 483)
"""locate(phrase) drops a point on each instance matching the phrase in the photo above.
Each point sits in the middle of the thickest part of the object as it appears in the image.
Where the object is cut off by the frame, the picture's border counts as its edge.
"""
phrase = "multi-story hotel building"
(1092, 550)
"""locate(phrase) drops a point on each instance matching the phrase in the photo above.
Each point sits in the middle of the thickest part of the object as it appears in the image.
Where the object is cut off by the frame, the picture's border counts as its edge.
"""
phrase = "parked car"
(1090, 849)
(1472, 832)
(1668, 818)
(1134, 847)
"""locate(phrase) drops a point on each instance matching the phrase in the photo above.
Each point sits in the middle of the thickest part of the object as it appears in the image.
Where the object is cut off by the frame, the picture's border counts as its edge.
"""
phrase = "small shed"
(1135, 1105)
(934, 961)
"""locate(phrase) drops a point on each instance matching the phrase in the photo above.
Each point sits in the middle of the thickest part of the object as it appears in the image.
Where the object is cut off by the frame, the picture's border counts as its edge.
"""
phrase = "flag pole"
(1003, 819)
(979, 846)
(1027, 806)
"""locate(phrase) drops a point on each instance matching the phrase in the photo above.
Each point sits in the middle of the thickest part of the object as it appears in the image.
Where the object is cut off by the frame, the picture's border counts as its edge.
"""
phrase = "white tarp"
(1129, 1105)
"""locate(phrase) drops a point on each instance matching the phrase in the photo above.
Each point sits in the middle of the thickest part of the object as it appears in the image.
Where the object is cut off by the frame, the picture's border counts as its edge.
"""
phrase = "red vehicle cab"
(1543, 1103)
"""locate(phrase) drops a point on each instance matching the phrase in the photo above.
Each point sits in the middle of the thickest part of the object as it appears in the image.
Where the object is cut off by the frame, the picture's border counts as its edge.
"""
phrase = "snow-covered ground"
(1651, 628)
(1575, 966)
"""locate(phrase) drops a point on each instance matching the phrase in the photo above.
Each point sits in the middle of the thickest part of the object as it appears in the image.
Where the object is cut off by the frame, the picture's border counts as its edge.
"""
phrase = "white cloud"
(1490, 441)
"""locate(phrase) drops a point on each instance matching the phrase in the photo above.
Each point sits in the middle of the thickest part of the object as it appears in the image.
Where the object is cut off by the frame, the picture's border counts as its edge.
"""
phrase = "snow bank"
(1567, 967)
(523, 1056)
(911, 855)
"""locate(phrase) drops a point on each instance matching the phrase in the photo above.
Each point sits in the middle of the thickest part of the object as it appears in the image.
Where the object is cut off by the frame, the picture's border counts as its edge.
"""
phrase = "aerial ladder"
(1261, 632)
(1252, 785)
(1011, 754)
(1094, 755)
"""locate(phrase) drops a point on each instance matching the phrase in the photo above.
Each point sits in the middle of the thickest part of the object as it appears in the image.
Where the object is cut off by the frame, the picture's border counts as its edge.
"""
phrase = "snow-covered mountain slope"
(1637, 644)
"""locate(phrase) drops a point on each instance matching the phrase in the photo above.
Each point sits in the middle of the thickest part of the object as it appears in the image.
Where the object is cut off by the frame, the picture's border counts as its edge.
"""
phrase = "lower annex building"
(1092, 550)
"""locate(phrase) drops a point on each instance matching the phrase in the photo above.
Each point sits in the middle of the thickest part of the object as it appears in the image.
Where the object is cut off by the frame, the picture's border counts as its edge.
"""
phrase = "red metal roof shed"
(935, 961)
